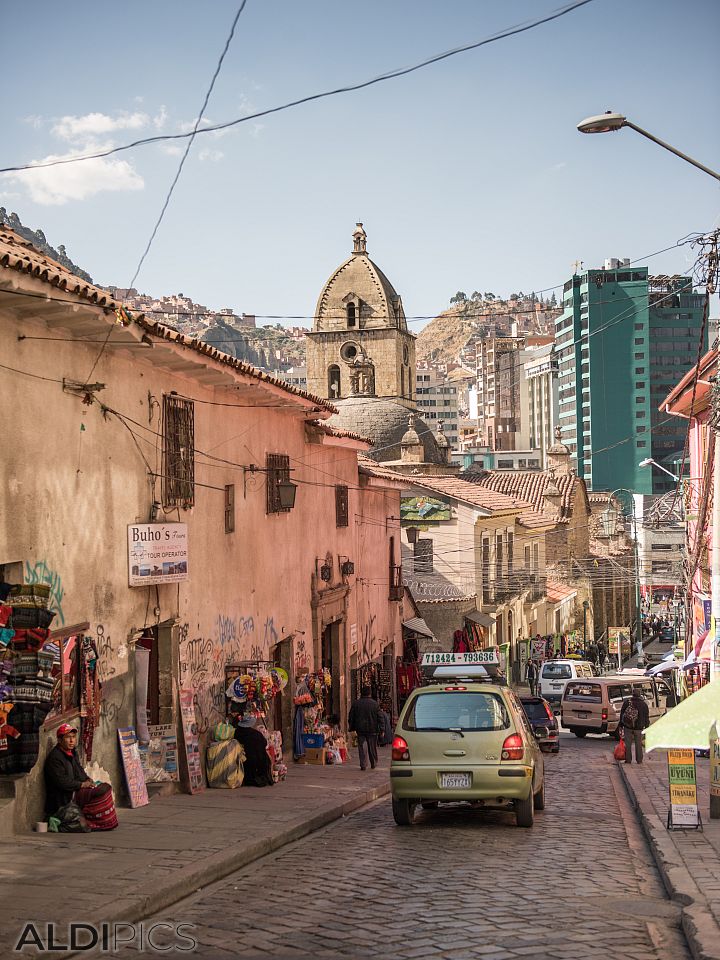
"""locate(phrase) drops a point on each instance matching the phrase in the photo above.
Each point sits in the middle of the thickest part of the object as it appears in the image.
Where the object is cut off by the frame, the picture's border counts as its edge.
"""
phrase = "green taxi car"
(466, 740)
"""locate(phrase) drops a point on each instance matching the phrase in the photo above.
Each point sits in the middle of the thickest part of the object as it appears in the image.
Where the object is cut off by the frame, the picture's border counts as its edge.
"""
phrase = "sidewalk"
(688, 860)
(170, 848)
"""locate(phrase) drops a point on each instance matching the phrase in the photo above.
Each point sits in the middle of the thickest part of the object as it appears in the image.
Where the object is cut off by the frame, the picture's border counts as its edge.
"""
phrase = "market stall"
(250, 688)
(317, 737)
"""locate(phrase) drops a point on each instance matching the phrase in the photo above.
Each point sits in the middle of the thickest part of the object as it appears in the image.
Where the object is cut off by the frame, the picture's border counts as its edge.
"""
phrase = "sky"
(468, 175)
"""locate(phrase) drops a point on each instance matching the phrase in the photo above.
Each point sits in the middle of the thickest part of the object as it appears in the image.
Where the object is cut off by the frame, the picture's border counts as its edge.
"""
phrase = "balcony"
(514, 585)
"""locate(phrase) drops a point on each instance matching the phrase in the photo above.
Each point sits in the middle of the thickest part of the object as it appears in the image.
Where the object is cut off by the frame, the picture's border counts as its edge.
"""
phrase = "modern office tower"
(622, 341)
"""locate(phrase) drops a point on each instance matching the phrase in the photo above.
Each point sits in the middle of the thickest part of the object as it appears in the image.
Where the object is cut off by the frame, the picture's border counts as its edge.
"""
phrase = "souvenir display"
(252, 685)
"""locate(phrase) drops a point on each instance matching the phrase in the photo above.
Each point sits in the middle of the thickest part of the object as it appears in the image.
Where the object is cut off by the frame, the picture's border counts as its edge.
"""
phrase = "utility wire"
(168, 197)
(391, 75)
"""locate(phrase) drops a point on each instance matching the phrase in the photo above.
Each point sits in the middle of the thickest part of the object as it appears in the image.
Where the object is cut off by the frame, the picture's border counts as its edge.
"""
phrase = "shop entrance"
(147, 673)
(330, 653)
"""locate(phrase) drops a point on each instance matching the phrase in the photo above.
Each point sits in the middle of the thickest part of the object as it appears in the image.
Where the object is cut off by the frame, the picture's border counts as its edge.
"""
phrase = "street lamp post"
(649, 462)
(610, 122)
(586, 604)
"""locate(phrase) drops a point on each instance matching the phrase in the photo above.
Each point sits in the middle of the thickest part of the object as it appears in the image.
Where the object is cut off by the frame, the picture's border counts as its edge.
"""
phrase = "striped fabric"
(100, 813)
(223, 764)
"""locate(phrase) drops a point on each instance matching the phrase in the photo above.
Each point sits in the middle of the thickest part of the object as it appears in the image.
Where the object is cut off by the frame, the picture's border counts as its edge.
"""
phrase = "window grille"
(230, 508)
(178, 480)
(278, 470)
(341, 506)
(423, 555)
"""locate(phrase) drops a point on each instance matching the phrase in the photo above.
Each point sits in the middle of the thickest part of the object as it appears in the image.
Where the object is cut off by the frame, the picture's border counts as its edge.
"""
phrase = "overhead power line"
(349, 88)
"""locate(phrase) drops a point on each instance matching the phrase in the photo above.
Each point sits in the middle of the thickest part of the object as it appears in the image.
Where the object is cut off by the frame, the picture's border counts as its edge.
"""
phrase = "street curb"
(698, 924)
(189, 880)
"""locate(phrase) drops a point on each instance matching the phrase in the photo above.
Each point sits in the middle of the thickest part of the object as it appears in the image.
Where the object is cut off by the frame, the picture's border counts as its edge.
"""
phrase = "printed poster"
(190, 737)
(132, 766)
(683, 788)
(715, 767)
(159, 757)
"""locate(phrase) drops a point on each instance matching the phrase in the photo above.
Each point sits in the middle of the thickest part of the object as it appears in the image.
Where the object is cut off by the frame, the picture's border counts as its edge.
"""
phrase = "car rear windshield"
(589, 692)
(466, 711)
(556, 671)
(535, 711)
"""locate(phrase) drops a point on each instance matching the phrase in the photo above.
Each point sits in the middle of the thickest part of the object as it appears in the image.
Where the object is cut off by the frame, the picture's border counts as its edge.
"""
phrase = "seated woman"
(65, 780)
(258, 769)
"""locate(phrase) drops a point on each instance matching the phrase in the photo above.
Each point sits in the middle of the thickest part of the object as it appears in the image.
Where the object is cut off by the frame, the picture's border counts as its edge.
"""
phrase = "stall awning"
(418, 625)
(688, 724)
(484, 619)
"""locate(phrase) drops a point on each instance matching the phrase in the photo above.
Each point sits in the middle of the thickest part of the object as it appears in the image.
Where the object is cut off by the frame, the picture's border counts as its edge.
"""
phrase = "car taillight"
(604, 715)
(548, 711)
(454, 688)
(513, 748)
(400, 749)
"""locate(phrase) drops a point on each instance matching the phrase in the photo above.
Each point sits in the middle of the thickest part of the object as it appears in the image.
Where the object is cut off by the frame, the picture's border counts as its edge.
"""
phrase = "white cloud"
(95, 124)
(34, 120)
(213, 155)
(54, 186)
(172, 149)
(160, 118)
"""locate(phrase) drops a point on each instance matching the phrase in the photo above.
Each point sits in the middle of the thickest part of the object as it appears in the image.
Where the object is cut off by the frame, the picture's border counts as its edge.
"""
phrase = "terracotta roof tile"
(472, 493)
(534, 519)
(557, 592)
(334, 432)
(16, 253)
(529, 485)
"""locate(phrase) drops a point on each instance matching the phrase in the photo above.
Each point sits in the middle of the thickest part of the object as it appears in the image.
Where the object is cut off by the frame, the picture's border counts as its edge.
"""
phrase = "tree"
(553, 300)
(459, 297)
(514, 296)
(489, 296)
(476, 295)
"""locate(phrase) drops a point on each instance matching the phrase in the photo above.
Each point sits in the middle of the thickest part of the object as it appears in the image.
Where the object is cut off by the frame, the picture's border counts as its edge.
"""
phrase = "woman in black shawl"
(257, 766)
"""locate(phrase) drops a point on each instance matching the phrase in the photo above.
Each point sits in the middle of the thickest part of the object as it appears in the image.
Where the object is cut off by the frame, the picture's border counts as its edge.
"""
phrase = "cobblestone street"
(459, 883)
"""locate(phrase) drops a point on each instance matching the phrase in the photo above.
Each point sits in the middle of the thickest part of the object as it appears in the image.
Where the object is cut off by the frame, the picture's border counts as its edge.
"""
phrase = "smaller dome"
(440, 439)
(558, 449)
(410, 437)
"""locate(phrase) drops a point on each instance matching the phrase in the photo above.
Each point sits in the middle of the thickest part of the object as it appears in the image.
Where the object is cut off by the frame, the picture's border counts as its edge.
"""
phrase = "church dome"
(359, 286)
(385, 423)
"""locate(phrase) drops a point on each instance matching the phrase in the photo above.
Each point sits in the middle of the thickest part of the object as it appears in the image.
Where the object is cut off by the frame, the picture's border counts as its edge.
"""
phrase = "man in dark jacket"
(365, 720)
(65, 779)
(634, 718)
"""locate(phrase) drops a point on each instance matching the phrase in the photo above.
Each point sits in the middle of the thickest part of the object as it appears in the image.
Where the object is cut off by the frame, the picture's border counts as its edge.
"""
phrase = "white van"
(555, 674)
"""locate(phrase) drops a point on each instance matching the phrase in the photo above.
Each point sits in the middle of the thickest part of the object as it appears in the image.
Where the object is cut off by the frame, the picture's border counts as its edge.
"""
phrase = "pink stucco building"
(691, 400)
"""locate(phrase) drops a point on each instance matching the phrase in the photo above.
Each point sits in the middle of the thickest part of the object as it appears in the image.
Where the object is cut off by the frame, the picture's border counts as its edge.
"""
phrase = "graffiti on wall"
(203, 660)
(40, 572)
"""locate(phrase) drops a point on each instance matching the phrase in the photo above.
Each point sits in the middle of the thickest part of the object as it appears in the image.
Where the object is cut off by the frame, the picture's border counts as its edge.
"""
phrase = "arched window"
(333, 381)
(402, 381)
(351, 314)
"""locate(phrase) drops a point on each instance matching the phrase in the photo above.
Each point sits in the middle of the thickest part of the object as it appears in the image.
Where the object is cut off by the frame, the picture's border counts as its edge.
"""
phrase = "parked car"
(554, 674)
(667, 635)
(466, 740)
(540, 715)
(594, 706)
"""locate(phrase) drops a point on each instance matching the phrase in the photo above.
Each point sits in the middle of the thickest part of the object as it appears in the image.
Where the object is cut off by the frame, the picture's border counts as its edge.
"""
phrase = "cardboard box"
(315, 755)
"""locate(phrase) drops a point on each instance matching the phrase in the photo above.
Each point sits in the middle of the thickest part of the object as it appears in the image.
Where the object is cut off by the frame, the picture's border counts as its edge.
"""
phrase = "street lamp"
(649, 462)
(609, 122)
(586, 605)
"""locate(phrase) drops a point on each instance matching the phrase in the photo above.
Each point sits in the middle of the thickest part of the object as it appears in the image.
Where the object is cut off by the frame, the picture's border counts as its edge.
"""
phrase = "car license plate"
(583, 715)
(454, 781)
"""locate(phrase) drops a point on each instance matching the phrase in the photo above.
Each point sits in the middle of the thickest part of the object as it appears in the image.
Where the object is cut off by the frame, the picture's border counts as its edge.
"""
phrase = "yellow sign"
(715, 768)
(683, 788)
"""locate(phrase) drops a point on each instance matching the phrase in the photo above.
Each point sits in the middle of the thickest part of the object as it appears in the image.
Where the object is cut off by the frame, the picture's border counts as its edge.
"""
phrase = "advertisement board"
(683, 789)
(157, 553)
(423, 509)
(618, 635)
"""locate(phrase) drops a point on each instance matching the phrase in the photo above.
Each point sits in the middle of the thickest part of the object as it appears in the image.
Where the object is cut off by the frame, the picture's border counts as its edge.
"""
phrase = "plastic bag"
(619, 751)
(71, 819)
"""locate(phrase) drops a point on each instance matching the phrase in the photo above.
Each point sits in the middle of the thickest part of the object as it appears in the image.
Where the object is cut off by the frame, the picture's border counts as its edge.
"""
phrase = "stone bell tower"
(360, 344)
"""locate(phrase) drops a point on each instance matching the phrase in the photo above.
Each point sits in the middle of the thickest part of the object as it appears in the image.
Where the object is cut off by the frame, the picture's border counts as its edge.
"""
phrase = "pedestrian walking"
(634, 718)
(531, 675)
(365, 720)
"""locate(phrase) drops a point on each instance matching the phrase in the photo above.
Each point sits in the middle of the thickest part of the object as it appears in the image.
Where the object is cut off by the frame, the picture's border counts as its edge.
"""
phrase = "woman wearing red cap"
(65, 779)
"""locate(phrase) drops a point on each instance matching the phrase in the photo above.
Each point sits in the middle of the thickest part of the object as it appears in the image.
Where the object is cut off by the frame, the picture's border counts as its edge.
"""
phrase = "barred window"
(178, 479)
(423, 555)
(230, 508)
(341, 506)
(278, 471)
